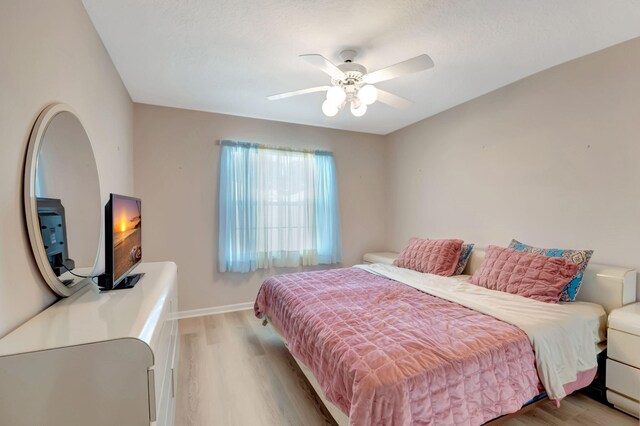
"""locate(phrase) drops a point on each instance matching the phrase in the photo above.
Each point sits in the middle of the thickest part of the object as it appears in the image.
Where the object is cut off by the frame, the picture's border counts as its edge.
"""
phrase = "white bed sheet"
(564, 336)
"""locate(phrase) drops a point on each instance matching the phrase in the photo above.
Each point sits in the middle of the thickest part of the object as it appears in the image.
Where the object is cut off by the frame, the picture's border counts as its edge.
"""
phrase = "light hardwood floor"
(234, 371)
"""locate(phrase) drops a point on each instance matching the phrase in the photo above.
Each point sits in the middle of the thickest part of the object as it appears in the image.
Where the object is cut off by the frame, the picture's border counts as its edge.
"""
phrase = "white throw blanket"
(564, 336)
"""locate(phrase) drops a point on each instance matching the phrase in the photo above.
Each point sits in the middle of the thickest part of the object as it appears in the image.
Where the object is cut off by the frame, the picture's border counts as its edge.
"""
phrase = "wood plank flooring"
(233, 371)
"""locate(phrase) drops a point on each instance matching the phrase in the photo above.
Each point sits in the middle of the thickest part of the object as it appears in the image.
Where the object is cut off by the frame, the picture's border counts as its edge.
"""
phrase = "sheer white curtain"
(286, 209)
(276, 208)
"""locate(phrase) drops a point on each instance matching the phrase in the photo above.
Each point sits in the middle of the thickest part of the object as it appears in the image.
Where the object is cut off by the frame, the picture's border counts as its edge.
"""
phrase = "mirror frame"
(30, 204)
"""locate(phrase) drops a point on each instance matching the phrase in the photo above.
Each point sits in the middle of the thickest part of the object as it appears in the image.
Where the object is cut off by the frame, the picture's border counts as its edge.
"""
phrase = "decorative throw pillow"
(579, 257)
(438, 257)
(530, 275)
(465, 254)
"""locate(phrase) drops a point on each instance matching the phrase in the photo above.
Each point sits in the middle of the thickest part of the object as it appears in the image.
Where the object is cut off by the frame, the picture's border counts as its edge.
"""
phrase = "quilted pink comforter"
(388, 354)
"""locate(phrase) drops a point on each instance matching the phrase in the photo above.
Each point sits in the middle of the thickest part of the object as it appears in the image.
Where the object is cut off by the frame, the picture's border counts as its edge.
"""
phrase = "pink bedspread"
(388, 354)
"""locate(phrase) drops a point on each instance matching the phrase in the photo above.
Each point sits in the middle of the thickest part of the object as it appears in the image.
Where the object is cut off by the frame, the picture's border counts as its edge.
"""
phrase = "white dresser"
(96, 358)
(623, 363)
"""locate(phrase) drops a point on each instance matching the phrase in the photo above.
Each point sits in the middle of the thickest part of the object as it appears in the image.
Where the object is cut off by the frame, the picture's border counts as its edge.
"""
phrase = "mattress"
(386, 353)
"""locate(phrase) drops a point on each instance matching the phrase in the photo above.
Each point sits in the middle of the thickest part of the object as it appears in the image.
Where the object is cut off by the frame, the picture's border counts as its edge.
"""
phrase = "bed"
(383, 345)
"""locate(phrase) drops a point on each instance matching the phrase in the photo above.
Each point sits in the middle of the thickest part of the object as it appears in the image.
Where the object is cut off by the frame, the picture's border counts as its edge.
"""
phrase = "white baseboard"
(214, 310)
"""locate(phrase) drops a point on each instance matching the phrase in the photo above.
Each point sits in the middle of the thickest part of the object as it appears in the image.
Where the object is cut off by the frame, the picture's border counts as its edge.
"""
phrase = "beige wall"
(176, 174)
(50, 52)
(551, 160)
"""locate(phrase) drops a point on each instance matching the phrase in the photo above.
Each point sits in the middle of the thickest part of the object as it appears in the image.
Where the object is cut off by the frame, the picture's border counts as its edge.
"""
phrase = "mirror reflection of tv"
(53, 229)
(123, 242)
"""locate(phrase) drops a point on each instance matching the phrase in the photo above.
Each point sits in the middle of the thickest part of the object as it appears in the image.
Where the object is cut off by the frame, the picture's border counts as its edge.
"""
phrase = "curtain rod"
(279, 148)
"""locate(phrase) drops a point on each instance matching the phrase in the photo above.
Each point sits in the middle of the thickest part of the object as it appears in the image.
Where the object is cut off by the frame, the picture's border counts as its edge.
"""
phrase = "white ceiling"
(226, 56)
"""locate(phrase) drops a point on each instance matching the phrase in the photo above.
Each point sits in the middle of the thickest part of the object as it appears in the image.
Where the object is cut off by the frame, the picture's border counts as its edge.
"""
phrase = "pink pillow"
(438, 257)
(526, 274)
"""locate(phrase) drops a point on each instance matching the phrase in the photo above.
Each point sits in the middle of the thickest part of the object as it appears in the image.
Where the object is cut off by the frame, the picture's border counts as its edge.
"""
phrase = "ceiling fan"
(351, 84)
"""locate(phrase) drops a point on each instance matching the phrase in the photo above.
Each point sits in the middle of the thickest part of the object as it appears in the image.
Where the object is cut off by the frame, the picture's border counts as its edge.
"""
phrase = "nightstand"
(623, 363)
(381, 257)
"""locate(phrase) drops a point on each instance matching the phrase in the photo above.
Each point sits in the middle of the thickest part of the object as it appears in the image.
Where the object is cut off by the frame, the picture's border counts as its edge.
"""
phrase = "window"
(277, 208)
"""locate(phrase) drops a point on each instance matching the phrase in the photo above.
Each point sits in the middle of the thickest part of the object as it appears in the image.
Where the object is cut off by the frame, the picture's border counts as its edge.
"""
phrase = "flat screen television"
(123, 242)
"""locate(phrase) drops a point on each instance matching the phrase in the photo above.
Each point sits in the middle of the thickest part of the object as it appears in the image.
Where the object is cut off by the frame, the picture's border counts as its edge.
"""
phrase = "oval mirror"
(62, 200)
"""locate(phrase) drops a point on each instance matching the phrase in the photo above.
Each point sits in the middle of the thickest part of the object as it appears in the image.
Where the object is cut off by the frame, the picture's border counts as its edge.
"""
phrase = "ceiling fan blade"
(419, 63)
(298, 92)
(393, 100)
(325, 65)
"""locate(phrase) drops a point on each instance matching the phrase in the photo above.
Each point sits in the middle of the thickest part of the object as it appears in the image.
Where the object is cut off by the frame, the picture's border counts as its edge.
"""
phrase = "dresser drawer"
(623, 403)
(623, 379)
(623, 347)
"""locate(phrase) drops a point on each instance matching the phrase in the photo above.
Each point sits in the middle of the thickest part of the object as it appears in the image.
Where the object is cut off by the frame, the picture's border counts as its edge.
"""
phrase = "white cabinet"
(623, 363)
(96, 358)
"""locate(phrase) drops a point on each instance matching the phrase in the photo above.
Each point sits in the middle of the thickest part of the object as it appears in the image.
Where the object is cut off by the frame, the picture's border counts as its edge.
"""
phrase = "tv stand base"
(129, 282)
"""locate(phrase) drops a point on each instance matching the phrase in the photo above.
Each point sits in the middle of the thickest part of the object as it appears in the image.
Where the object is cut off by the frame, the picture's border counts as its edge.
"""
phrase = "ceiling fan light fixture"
(329, 108)
(368, 94)
(336, 95)
(358, 109)
(352, 84)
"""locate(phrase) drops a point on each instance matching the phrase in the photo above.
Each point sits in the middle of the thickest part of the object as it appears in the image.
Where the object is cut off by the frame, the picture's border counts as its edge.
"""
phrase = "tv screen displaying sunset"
(127, 235)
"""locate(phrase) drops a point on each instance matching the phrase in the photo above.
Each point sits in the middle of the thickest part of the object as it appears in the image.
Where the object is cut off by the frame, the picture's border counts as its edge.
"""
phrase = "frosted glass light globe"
(329, 108)
(368, 94)
(336, 95)
(360, 110)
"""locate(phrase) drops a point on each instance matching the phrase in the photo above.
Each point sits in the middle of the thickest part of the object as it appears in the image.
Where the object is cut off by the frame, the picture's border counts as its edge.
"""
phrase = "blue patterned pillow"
(465, 253)
(579, 257)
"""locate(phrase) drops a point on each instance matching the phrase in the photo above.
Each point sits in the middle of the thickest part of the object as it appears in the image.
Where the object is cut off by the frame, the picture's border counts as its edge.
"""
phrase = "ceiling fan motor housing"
(354, 73)
(354, 68)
